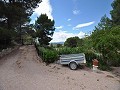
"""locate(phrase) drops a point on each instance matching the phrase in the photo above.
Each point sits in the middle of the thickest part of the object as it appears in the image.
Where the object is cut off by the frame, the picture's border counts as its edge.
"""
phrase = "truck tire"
(73, 66)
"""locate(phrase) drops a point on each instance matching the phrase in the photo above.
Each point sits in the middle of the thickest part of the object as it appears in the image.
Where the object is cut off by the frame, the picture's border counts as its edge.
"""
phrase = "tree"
(15, 12)
(106, 36)
(104, 23)
(59, 45)
(72, 42)
(107, 43)
(115, 13)
(5, 37)
(45, 29)
(87, 44)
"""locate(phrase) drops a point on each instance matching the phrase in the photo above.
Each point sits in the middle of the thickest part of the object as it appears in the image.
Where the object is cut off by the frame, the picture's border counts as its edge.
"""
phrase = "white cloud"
(61, 36)
(69, 19)
(75, 12)
(60, 27)
(83, 25)
(44, 8)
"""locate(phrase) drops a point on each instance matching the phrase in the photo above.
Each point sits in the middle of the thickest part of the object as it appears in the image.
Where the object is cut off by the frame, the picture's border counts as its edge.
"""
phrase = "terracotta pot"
(95, 62)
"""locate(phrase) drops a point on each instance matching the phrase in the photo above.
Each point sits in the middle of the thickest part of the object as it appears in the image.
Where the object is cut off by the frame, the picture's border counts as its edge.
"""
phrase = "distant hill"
(57, 43)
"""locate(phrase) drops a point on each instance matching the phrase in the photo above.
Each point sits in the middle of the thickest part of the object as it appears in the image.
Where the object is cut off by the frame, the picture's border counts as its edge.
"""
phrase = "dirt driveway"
(22, 70)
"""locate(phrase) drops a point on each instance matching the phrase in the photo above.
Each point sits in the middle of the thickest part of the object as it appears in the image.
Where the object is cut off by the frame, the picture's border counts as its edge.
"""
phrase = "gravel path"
(23, 70)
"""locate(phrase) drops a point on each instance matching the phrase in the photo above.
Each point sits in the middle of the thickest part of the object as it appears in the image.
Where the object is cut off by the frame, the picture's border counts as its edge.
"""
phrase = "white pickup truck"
(73, 60)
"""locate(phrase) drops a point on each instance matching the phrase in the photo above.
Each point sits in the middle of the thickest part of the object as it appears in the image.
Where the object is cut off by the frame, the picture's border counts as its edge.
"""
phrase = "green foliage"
(90, 56)
(59, 45)
(104, 23)
(48, 55)
(115, 13)
(14, 16)
(103, 66)
(106, 38)
(69, 50)
(87, 44)
(27, 39)
(5, 37)
(72, 42)
(107, 42)
(103, 44)
(45, 30)
(16, 12)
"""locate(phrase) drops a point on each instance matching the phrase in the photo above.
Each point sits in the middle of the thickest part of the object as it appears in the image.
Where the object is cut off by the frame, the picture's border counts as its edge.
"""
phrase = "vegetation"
(69, 50)
(107, 43)
(15, 13)
(72, 42)
(47, 54)
(103, 43)
(27, 39)
(14, 17)
(106, 37)
(115, 13)
(45, 29)
(5, 37)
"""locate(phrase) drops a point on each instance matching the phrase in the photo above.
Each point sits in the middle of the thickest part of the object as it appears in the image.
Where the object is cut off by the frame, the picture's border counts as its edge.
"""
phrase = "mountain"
(57, 43)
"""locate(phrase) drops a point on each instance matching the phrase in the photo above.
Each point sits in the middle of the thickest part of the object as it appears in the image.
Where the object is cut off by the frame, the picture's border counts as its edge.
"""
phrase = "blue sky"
(73, 17)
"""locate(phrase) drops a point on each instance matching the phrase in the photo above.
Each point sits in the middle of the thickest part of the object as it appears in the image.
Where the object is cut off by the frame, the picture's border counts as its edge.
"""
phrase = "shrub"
(89, 55)
(103, 66)
(69, 50)
(48, 55)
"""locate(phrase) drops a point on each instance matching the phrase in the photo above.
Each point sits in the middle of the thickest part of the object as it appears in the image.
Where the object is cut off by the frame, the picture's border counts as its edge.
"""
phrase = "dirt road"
(22, 70)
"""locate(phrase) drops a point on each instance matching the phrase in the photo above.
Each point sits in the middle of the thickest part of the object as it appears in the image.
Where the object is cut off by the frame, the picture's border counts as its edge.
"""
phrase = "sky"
(73, 17)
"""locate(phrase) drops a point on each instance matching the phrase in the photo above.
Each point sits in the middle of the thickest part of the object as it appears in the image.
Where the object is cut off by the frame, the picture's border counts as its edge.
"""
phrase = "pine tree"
(45, 29)
(115, 13)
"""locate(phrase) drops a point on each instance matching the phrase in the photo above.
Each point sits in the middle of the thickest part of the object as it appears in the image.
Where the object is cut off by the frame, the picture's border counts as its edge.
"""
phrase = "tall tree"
(107, 43)
(106, 36)
(45, 29)
(115, 13)
(14, 12)
(104, 23)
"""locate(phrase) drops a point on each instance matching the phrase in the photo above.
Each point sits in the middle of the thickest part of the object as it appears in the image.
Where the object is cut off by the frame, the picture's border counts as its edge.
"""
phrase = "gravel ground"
(23, 70)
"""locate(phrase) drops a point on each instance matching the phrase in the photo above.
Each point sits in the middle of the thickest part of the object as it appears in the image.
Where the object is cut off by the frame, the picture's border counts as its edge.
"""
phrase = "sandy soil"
(23, 70)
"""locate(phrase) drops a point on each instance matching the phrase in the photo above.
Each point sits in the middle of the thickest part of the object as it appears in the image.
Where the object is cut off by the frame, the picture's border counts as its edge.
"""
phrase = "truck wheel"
(73, 66)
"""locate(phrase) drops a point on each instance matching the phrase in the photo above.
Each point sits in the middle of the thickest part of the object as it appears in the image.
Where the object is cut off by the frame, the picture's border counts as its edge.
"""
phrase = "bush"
(69, 50)
(48, 55)
(102, 64)
(107, 42)
(89, 55)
